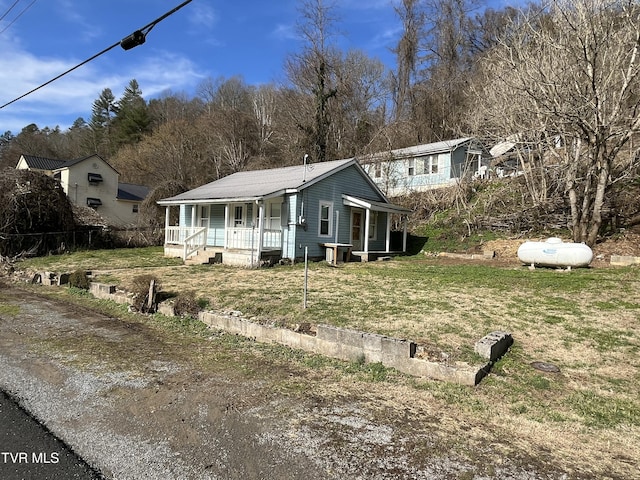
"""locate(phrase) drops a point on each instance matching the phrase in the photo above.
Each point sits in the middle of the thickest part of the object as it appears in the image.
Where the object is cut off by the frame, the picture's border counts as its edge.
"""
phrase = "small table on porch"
(334, 249)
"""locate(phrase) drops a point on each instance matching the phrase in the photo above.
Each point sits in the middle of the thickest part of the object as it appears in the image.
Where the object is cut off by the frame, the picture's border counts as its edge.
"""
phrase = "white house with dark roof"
(92, 182)
(329, 210)
(428, 166)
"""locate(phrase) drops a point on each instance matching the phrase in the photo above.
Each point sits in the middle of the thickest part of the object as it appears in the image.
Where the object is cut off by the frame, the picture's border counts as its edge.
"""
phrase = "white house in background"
(428, 166)
(92, 182)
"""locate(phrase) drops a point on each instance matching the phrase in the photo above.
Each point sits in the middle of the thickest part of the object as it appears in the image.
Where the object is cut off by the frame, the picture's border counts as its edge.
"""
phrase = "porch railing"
(247, 239)
(194, 242)
(238, 238)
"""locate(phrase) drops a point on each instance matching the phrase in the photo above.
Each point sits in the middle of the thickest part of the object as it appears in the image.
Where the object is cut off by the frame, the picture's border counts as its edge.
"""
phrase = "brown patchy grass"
(584, 420)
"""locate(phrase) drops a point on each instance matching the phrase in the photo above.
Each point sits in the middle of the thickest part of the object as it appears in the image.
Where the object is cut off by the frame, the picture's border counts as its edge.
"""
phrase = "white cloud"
(285, 32)
(202, 15)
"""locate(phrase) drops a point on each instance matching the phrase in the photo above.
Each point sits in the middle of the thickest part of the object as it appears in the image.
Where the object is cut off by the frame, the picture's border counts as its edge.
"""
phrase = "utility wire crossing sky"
(41, 40)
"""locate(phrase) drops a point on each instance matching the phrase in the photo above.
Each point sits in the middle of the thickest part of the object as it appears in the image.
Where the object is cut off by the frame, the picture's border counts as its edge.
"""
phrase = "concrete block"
(63, 279)
(494, 345)
(624, 260)
(167, 309)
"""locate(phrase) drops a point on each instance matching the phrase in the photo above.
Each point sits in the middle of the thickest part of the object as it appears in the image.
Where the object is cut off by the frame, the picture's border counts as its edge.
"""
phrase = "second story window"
(94, 178)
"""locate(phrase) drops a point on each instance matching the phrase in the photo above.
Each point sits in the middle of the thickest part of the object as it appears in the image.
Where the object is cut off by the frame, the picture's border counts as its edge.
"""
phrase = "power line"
(17, 17)
(9, 10)
(136, 38)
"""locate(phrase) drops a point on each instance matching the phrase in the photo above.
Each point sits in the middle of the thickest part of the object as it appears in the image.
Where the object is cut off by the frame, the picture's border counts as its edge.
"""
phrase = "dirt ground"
(136, 401)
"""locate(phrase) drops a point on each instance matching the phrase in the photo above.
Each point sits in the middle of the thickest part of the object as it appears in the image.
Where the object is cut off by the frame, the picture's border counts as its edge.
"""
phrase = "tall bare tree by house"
(407, 51)
(566, 81)
(312, 70)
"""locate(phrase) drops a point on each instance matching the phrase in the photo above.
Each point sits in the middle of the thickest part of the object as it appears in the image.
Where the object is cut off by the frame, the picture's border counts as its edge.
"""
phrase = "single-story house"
(424, 167)
(92, 182)
(326, 210)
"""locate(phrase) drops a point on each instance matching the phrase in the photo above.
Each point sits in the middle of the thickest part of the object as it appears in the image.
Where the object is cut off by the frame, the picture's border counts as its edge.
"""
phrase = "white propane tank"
(555, 253)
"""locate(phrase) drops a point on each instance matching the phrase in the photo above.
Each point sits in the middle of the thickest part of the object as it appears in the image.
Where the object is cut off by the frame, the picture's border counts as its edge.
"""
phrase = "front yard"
(584, 419)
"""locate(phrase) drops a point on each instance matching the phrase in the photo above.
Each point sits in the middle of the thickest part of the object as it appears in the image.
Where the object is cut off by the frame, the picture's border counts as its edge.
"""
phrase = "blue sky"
(205, 39)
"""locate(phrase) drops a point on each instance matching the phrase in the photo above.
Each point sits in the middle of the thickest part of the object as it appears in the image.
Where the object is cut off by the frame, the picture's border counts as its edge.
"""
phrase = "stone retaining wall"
(345, 344)
(352, 345)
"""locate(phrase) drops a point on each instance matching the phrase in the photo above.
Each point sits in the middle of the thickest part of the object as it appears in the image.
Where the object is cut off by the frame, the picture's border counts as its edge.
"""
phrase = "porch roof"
(371, 205)
(259, 184)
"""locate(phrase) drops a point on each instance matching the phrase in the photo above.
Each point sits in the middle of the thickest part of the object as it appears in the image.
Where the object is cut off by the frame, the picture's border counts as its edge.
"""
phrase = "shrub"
(79, 279)
(186, 304)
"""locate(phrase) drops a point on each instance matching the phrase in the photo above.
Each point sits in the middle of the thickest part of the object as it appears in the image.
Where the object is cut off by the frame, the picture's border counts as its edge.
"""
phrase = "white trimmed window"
(411, 167)
(273, 216)
(238, 216)
(373, 226)
(325, 219)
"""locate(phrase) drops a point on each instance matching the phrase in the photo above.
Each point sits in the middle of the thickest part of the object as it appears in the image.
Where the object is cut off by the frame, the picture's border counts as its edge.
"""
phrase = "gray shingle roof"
(131, 191)
(417, 150)
(42, 163)
(262, 183)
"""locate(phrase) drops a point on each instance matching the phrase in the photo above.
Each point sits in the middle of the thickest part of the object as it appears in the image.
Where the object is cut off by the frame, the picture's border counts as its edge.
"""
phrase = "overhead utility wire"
(9, 10)
(136, 38)
(17, 17)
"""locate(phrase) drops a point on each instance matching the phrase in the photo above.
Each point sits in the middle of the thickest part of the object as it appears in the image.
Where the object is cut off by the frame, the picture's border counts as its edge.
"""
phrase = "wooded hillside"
(557, 80)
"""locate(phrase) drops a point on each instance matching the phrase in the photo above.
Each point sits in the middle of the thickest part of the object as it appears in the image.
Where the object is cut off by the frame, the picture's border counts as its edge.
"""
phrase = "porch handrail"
(192, 243)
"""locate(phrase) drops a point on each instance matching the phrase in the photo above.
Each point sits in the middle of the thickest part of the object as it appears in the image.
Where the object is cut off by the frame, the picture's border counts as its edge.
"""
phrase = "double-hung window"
(238, 216)
(325, 226)
(373, 226)
(411, 167)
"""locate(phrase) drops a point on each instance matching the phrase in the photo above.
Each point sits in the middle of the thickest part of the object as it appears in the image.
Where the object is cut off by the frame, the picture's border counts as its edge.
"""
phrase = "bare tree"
(565, 82)
(407, 51)
(313, 70)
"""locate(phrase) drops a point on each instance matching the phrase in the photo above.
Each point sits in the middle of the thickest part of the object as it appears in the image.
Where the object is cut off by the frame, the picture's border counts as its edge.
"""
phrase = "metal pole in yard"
(306, 277)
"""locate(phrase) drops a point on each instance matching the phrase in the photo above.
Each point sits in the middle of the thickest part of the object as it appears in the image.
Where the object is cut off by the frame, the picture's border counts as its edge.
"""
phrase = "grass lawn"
(586, 322)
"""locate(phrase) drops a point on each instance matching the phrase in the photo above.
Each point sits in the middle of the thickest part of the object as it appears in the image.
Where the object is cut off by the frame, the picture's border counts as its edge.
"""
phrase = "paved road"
(28, 451)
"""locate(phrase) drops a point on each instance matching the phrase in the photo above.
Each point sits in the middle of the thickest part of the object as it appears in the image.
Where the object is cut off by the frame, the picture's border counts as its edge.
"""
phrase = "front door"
(356, 229)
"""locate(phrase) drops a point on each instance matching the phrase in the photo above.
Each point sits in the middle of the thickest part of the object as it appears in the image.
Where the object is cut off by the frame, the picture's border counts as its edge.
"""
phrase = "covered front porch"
(223, 232)
(368, 238)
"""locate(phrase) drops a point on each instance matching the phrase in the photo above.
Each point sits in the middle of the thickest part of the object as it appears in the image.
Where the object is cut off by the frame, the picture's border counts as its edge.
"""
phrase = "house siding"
(348, 181)
(215, 235)
(393, 174)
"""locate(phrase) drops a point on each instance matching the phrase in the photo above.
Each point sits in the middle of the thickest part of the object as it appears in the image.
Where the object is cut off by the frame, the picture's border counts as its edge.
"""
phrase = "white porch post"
(388, 233)
(367, 220)
(404, 233)
(166, 223)
(194, 209)
(260, 229)
(226, 225)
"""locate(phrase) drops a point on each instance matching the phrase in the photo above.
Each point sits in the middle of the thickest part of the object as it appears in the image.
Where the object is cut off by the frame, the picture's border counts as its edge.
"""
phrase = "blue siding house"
(423, 167)
(331, 210)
